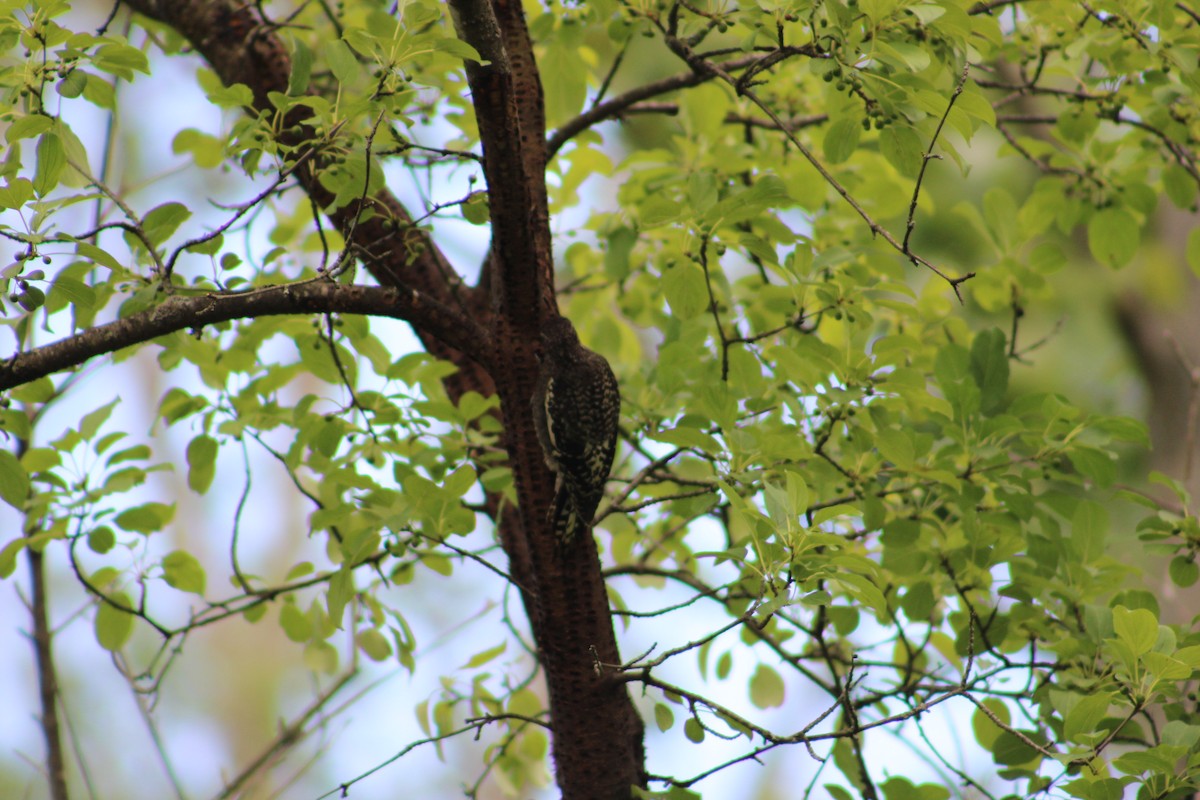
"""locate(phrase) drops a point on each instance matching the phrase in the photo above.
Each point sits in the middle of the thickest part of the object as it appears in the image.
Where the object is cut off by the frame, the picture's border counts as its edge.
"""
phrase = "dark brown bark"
(56, 772)
(597, 733)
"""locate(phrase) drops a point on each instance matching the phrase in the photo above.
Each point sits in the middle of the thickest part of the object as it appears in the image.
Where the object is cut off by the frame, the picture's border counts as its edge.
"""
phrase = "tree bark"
(597, 732)
(47, 678)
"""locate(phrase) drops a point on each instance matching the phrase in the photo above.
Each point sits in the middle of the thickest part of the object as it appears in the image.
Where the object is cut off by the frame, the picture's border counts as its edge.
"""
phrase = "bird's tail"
(568, 523)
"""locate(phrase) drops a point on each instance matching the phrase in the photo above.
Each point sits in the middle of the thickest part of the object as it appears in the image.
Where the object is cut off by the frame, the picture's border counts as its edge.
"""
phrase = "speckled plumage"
(576, 407)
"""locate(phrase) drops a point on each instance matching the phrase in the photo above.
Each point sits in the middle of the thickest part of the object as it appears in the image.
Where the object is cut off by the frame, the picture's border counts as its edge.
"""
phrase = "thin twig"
(928, 156)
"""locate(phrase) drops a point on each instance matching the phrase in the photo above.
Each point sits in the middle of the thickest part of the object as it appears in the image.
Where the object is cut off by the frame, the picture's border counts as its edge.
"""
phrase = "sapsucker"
(576, 407)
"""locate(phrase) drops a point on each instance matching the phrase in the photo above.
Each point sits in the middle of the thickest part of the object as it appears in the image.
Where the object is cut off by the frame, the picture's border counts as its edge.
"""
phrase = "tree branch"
(47, 671)
(243, 48)
(179, 313)
(521, 249)
(621, 104)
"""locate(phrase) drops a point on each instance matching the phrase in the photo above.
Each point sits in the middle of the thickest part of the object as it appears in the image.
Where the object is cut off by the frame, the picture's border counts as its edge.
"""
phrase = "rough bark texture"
(597, 733)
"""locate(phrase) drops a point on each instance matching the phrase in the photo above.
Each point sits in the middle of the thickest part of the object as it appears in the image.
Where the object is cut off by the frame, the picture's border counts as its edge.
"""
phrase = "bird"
(576, 408)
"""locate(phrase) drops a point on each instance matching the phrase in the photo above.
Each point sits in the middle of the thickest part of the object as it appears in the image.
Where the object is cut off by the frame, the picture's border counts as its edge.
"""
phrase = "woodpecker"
(576, 407)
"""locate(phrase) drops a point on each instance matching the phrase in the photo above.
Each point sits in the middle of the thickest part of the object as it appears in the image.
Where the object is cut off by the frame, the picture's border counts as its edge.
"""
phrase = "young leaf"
(182, 571)
(14, 481)
(1113, 237)
(202, 463)
(374, 644)
(113, 626)
(766, 688)
(989, 368)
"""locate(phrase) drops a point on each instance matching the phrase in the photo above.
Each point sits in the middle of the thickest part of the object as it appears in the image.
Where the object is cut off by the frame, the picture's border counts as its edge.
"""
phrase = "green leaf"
(841, 139)
(163, 220)
(89, 426)
(238, 95)
(121, 60)
(617, 255)
(209, 246)
(1011, 750)
(1137, 628)
(1183, 571)
(28, 127)
(374, 644)
(845, 760)
(989, 368)
(202, 463)
(1087, 714)
(51, 159)
(833, 512)
(1160, 760)
(483, 657)
(1166, 668)
(918, 602)
(206, 150)
(102, 257)
(75, 152)
(101, 539)
(146, 518)
(975, 104)
(1113, 237)
(138, 452)
(302, 62)
(8, 555)
(459, 482)
(476, 210)
(685, 291)
(896, 446)
(14, 481)
(98, 91)
(687, 436)
(766, 688)
(1179, 186)
(768, 192)
(74, 292)
(1000, 213)
(953, 369)
(906, 56)
(73, 84)
(1089, 530)
(1094, 463)
(182, 571)
(656, 211)
(903, 149)
(16, 192)
(664, 717)
(693, 730)
(565, 85)
(339, 594)
(457, 48)
(986, 731)
(341, 61)
(704, 111)
(295, 623)
(113, 626)
(321, 656)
